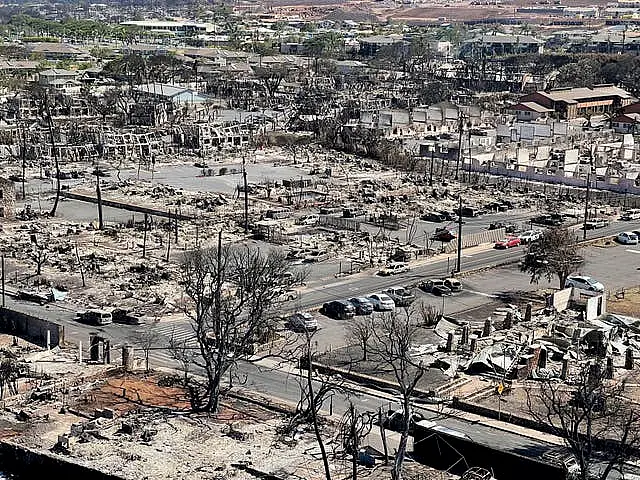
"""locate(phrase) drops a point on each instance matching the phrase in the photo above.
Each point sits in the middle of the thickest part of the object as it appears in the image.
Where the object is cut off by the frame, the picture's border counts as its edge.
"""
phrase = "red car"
(507, 242)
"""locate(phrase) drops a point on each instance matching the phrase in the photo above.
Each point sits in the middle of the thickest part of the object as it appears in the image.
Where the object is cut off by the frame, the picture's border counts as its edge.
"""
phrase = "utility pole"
(169, 240)
(469, 126)
(144, 237)
(459, 265)
(460, 125)
(23, 155)
(99, 197)
(175, 224)
(586, 206)
(246, 196)
(431, 167)
(3, 303)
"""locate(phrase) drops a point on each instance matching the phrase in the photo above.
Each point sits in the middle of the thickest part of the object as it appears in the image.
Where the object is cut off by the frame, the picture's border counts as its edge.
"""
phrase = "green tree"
(556, 255)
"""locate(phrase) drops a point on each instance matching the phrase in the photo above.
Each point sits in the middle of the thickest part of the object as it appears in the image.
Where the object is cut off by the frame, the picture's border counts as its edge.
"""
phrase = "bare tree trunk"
(23, 154)
(396, 472)
(314, 415)
(55, 155)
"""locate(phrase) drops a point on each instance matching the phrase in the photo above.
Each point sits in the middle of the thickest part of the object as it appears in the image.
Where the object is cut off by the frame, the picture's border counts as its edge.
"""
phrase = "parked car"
(34, 296)
(633, 214)
(394, 268)
(552, 220)
(443, 235)
(627, 238)
(395, 419)
(382, 302)
(433, 217)
(496, 207)
(507, 242)
(285, 294)
(400, 296)
(453, 284)
(340, 309)
(584, 283)
(530, 236)
(595, 223)
(508, 227)
(470, 212)
(362, 305)
(303, 321)
(435, 286)
(448, 216)
(120, 315)
(95, 316)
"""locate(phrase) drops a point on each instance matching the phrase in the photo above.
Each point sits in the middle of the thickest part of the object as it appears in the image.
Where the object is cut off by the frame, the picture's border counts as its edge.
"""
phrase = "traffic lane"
(285, 386)
(368, 283)
(74, 331)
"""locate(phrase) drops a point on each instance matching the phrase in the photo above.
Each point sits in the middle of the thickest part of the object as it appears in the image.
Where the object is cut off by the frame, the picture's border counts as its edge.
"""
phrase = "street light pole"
(586, 206)
(459, 266)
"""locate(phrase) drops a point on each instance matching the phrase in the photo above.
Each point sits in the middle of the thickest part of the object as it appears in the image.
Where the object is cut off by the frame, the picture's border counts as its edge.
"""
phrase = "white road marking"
(488, 295)
(632, 251)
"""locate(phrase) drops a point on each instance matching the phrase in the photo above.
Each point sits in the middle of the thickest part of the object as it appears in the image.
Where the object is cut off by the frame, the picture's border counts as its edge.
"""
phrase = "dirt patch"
(607, 242)
(625, 302)
(127, 393)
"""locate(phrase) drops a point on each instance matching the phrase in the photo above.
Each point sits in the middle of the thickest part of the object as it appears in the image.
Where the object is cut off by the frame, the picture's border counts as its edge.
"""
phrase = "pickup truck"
(595, 223)
(400, 295)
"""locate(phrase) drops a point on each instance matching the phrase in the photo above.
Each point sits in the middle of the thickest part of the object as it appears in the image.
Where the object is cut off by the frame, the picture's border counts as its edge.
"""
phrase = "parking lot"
(616, 266)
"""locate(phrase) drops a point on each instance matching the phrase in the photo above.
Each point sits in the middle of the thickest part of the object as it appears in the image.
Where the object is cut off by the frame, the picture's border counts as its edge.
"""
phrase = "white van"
(96, 317)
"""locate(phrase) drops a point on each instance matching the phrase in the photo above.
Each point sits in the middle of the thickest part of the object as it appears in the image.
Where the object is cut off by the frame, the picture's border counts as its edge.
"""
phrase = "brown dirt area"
(126, 393)
(627, 305)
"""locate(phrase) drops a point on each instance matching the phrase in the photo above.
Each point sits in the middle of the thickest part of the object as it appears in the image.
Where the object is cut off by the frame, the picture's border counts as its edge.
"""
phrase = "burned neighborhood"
(286, 240)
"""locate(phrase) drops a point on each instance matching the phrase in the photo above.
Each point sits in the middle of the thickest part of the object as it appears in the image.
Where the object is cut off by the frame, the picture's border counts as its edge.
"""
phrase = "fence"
(475, 239)
(339, 223)
(31, 328)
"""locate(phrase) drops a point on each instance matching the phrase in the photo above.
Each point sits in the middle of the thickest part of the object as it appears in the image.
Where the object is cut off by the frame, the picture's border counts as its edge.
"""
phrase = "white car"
(303, 321)
(633, 214)
(530, 236)
(382, 302)
(627, 238)
(584, 283)
(394, 268)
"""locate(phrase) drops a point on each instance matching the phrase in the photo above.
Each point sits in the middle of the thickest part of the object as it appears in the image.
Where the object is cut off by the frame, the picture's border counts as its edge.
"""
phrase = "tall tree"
(393, 336)
(556, 255)
(233, 291)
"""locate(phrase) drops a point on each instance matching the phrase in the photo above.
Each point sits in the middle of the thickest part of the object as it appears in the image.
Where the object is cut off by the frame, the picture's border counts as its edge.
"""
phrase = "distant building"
(528, 111)
(57, 51)
(626, 123)
(60, 80)
(170, 93)
(568, 103)
(370, 46)
(168, 26)
(493, 45)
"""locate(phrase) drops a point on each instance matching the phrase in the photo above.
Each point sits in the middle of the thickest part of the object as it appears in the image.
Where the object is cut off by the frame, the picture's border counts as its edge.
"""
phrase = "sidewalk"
(438, 410)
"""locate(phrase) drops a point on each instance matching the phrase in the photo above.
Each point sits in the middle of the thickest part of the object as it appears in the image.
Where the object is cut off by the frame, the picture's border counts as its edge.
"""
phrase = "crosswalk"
(178, 332)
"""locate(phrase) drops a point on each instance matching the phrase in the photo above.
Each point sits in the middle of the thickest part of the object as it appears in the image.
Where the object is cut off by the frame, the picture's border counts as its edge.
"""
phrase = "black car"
(440, 290)
(448, 216)
(395, 420)
(362, 305)
(435, 286)
(553, 220)
(433, 217)
(339, 309)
